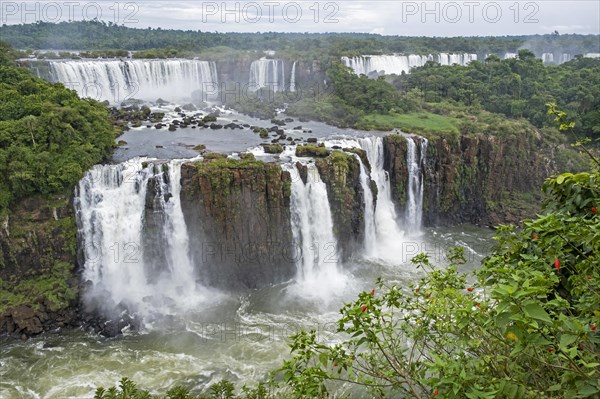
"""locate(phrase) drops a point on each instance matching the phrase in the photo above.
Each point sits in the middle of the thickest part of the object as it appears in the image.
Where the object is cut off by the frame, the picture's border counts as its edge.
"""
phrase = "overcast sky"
(410, 18)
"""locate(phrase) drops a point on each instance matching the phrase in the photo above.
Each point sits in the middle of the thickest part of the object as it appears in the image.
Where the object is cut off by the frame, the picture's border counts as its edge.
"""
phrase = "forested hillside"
(48, 136)
(517, 88)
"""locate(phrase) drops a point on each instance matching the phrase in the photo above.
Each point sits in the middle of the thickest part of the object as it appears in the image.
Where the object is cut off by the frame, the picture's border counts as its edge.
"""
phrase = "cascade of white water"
(175, 231)
(312, 226)
(548, 58)
(370, 245)
(293, 78)
(111, 206)
(388, 230)
(116, 80)
(414, 199)
(443, 59)
(267, 73)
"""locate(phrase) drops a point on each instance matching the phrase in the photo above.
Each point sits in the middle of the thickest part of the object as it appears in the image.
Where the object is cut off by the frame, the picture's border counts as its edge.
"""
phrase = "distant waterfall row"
(173, 79)
(560, 58)
(116, 81)
(397, 63)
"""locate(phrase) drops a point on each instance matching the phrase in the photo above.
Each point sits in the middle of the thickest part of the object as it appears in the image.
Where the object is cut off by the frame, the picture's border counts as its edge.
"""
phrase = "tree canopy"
(48, 136)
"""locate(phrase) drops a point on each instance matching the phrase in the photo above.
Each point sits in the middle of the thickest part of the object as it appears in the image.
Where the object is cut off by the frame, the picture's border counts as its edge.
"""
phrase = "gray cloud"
(411, 18)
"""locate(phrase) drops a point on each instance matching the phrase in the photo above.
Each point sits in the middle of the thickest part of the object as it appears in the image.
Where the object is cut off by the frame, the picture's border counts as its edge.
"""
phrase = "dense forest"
(517, 88)
(98, 35)
(48, 136)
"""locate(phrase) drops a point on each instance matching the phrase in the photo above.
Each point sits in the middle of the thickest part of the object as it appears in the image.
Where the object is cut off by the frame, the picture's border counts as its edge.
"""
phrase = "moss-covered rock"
(38, 286)
(362, 154)
(311, 150)
(213, 155)
(273, 148)
(247, 156)
(238, 214)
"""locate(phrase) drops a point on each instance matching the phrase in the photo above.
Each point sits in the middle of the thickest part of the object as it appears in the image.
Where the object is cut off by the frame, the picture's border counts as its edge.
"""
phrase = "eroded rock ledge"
(238, 217)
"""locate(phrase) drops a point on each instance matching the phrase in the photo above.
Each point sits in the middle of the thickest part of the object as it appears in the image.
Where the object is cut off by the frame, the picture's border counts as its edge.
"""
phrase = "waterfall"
(397, 63)
(548, 58)
(565, 57)
(293, 78)
(267, 73)
(130, 259)
(312, 226)
(116, 80)
(388, 230)
(370, 245)
(414, 199)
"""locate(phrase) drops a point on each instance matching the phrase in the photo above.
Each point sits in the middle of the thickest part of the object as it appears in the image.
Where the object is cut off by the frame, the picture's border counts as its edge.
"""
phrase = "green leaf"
(502, 319)
(567, 339)
(556, 387)
(536, 311)
(588, 390)
(323, 359)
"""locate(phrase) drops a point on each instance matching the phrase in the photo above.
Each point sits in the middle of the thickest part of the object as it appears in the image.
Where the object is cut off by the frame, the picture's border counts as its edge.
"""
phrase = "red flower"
(470, 289)
(594, 210)
(426, 295)
(478, 304)
(593, 328)
(435, 392)
(417, 291)
(550, 349)
(556, 263)
(372, 292)
(536, 236)
(364, 308)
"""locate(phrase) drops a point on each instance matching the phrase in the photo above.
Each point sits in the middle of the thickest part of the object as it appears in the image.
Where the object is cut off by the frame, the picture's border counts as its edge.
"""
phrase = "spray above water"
(134, 239)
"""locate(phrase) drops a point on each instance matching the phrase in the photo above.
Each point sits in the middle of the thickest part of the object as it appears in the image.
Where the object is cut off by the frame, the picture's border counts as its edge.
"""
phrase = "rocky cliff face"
(238, 216)
(480, 179)
(38, 284)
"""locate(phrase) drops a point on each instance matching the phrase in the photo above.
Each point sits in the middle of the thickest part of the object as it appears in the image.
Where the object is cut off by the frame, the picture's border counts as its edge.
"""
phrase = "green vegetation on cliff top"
(413, 122)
